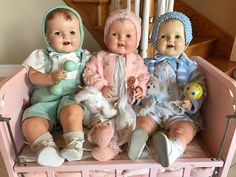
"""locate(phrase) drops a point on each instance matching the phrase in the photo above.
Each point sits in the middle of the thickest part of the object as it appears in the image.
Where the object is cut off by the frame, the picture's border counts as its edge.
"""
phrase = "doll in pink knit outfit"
(120, 74)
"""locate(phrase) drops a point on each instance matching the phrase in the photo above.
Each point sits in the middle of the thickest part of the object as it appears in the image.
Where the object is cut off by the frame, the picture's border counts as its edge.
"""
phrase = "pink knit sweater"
(100, 69)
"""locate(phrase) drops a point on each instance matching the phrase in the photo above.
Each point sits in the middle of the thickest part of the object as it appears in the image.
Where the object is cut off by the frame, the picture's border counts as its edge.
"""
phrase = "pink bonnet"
(123, 14)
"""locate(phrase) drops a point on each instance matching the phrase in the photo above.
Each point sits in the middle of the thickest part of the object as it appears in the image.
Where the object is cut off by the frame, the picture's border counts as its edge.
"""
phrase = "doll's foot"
(168, 150)
(107, 153)
(101, 134)
(48, 149)
(137, 143)
(73, 150)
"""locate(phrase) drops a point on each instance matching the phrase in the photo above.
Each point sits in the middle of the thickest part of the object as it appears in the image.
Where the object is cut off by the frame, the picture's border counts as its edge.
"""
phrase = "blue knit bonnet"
(175, 16)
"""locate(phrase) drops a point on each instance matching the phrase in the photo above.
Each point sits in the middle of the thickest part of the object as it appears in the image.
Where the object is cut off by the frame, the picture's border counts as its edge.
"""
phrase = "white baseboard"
(6, 70)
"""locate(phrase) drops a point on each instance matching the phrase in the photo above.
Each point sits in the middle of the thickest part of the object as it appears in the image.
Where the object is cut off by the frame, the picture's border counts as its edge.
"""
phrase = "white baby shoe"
(47, 151)
(73, 150)
(168, 150)
(49, 155)
(137, 143)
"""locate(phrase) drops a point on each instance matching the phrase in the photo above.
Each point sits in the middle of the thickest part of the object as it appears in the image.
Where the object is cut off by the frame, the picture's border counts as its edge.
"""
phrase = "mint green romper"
(43, 103)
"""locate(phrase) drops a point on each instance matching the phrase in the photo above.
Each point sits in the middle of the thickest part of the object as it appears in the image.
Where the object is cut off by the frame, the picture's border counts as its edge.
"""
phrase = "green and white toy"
(69, 66)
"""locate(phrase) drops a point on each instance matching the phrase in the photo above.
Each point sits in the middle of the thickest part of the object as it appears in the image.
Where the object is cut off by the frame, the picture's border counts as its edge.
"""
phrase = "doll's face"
(171, 39)
(63, 35)
(121, 37)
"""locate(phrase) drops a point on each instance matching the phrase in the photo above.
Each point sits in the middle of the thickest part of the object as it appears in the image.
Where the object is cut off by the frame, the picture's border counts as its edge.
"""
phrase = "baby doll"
(62, 30)
(119, 73)
(171, 35)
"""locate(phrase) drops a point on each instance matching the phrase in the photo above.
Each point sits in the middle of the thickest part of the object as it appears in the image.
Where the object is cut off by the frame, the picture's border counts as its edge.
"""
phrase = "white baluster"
(115, 4)
(170, 5)
(128, 4)
(136, 7)
(145, 27)
(166, 6)
(160, 8)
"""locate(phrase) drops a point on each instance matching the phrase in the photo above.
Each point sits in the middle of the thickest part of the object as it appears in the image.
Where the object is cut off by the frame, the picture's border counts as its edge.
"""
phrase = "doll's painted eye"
(57, 33)
(163, 37)
(72, 32)
(114, 34)
(128, 35)
(177, 37)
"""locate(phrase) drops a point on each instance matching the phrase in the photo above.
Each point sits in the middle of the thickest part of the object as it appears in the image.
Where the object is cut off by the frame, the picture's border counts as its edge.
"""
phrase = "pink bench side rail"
(119, 165)
(220, 102)
(14, 91)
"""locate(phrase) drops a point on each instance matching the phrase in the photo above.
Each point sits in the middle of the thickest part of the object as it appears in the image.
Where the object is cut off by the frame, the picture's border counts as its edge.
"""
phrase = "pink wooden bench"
(218, 137)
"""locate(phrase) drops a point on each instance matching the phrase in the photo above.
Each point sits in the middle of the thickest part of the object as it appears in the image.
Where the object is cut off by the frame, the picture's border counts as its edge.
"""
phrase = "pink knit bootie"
(101, 134)
(106, 153)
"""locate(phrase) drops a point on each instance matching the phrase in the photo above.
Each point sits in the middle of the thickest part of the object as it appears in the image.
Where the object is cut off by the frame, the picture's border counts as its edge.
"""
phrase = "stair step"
(99, 28)
(201, 46)
(223, 64)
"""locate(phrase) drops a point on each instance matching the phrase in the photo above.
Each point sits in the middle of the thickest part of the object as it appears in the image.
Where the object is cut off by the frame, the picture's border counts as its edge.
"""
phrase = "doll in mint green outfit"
(55, 73)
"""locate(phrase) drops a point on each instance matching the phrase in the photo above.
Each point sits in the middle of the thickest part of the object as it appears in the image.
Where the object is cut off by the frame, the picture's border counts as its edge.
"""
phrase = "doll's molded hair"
(173, 16)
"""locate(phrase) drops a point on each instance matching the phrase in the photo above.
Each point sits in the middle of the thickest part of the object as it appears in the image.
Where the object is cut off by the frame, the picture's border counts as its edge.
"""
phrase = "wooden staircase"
(209, 41)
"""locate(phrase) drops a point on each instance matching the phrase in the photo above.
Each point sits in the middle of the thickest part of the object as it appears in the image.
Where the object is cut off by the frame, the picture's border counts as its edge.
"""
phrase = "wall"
(222, 13)
(20, 29)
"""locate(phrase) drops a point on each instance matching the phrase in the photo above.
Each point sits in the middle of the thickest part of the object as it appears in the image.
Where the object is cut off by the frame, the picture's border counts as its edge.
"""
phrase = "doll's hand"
(138, 93)
(57, 76)
(107, 91)
(131, 89)
(130, 82)
(187, 104)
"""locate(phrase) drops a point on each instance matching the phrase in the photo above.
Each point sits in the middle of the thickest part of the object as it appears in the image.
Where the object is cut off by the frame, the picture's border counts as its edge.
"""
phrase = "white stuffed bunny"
(96, 102)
